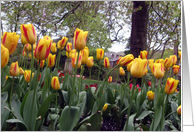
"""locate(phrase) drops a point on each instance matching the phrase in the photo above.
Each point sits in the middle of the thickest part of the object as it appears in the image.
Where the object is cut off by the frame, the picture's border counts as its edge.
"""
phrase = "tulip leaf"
(18, 121)
(42, 75)
(84, 126)
(23, 103)
(156, 120)
(95, 121)
(29, 111)
(130, 125)
(81, 102)
(4, 112)
(110, 98)
(45, 91)
(69, 118)
(15, 103)
(102, 101)
(144, 114)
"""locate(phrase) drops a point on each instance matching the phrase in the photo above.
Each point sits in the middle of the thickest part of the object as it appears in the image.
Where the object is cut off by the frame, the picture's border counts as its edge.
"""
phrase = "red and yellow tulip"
(121, 71)
(68, 47)
(90, 61)
(80, 38)
(126, 60)
(138, 67)
(179, 110)
(171, 85)
(144, 54)
(14, 69)
(51, 60)
(85, 55)
(158, 69)
(55, 83)
(4, 56)
(174, 59)
(176, 69)
(27, 75)
(106, 62)
(21, 71)
(63, 41)
(110, 79)
(150, 95)
(99, 53)
(53, 48)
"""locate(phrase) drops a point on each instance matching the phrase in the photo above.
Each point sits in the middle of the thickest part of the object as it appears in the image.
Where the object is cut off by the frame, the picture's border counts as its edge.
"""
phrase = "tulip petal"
(4, 38)
(25, 32)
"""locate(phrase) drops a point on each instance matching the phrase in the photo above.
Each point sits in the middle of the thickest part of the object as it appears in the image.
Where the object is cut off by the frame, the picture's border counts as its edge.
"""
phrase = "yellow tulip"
(10, 41)
(27, 74)
(53, 48)
(105, 107)
(106, 62)
(30, 54)
(171, 85)
(168, 62)
(68, 54)
(159, 61)
(151, 66)
(146, 71)
(68, 47)
(179, 110)
(99, 53)
(4, 56)
(110, 79)
(121, 71)
(21, 71)
(86, 48)
(129, 66)
(14, 69)
(23, 40)
(24, 53)
(179, 54)
(90, 61)
(59, 46)
(42, 63)
(176, 69)
(150, 61)
(174, 59)
(144, 54)
(74, 60)
(79, 39)
(84, 54)
(47, 37)
(150, 95)
(6, 77)
(29, 33)
(158, 70)
(118, 60)
(43, 49)
(55, 83)
(51, 60)
(138, 67)
(126, 60)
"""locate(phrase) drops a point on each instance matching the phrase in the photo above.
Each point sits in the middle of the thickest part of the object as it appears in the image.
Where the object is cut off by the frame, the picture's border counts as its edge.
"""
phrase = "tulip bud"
(14, 69)
(179, 54)
(121, 71)
(4, 56)
(144, 54)
(84, 54)
(79, 40)
(179, 110)
(126, 60)
(68, 47)
(168, 62)
(51, 60)
(10, 41)
(53, 48)
(59, 46)
(106, 62)
(138, 67)
(27, 75)
(158, 70)
(99, 53)
(118, 60)
(176, 69)
(29, 33)
(23, 40)
(171, 85)
(105, 107)
(174, 59)
(129, 66)
(43, 49)
(55, 83)
(74, 60)
(110, 79)
(90, 61)
(150, 95)
(21, 71)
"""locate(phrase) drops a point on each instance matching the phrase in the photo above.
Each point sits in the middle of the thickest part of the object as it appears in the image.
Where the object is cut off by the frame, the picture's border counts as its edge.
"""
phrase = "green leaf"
(15, 103)
(69, 118)
(157, 118)
(84, 126)
(82, 102)
(45, 91)
(130, 125)
(144, 114)
(4, 112)
(110, 98)
(145, 128)
(95, 121)
(29, 112)
(17, 121)
(23, 103)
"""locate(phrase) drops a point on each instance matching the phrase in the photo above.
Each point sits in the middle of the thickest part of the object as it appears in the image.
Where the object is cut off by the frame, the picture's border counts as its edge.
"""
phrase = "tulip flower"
(179, 110)
(79, 39)
(39, 77)
(24, 53)
(158, 69)
(4, 56)
(171, 85)
(47, 37)
(86, 48)
(176, 69)
(63, 41)
(68, 54)
(168, 62)
(144, 54)
(51, 60)
(6, 77)
(43, 49)
(53, 48)
(110, 79)
(150, 61)
(21, 71)
(23, 40)
(68, 47)
(118, 60)
(14, 69)
(149, 83)
(99, 53)
(30, 54)
(27, 74)
(59, 46)
(106, 62)
(29, 33)
(179, 54)
(129, 66)
(121, 71)
(105, 107)
(84, 54)
(90, 61)
(126, 60)
(138, 67)
(55, 83)
(74, 60)
(159, 61)
(10, 41)
(174, 59)
(42, 63)
(150, 95)
(146, 71)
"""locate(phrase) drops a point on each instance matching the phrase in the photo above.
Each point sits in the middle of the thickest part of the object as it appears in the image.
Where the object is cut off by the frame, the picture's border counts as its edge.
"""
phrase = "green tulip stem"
(170, 114)
(117, 76)
(56, 104)
(163, 111)
(11, 93)
(90, 75)
(59, 59)
(128, 77)
(130, 101)
(98, 72)
(32, 66)
(80, 81)
(20, 58)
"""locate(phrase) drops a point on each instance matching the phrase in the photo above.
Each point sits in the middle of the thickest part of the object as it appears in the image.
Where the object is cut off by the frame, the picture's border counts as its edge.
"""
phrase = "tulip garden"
(38, 98)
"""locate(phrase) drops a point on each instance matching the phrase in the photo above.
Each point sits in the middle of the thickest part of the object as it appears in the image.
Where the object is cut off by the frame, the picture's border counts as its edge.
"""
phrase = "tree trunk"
(138, 41)
(176, 49)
